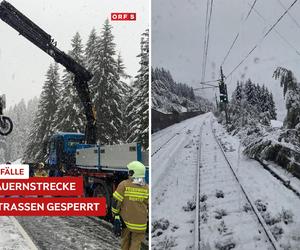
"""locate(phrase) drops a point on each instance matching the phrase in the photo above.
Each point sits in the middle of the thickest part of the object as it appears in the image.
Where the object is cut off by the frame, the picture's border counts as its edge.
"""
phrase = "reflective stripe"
(118, 196)
(139, 227)
(136, 195)
(115, 211)
(139, 193)
(132, 189)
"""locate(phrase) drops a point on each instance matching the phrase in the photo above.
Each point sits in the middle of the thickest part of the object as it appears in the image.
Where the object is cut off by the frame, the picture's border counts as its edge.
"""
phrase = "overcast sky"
(23, 66)
(178, 34)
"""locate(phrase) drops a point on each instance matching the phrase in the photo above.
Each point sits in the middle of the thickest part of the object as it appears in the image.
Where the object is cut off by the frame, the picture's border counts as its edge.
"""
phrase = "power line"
(278, 33)
(207, 84)
(290, 15)
(238, 34)
(205, 40)
(261, 40)
(200, 88)
(250, 10)
(216, 80)
(209, 6)
(286, 11)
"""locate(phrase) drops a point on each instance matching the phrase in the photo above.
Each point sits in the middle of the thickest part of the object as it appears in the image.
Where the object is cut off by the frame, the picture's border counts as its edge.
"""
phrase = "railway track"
(197, 222)
(234, 177)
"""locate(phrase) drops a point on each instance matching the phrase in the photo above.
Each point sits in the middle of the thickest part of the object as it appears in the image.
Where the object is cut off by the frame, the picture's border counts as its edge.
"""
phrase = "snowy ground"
(261, 185)
(276, 124)
(74, 233)
(10, 236)
(226, 217)
(174, 168)
(174, 171)
(53, 233)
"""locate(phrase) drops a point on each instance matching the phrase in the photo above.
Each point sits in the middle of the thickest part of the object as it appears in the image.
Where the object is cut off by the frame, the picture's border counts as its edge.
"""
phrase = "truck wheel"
(102, 190)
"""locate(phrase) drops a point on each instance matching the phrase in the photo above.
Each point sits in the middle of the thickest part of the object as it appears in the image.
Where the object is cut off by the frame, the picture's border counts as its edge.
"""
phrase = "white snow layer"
(261, 185)
(276, 124)
(10, 237)
(174, 170)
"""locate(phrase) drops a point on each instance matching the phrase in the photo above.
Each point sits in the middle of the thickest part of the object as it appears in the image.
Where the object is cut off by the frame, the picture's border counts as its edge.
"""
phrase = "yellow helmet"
(138, 169)
(41, 165)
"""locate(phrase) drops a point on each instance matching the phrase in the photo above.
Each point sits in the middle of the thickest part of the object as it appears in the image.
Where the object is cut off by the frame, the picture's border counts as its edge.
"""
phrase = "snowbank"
(276, 124)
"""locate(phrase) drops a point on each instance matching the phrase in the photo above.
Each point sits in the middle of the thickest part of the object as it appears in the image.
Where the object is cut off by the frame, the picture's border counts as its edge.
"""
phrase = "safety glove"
(117, 226)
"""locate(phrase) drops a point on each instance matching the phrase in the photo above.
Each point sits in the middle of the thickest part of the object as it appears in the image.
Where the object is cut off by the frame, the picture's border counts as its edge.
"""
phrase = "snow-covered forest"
(121, 101)
(169, 96)
(250, 104)
(251, 111)
(22, 115)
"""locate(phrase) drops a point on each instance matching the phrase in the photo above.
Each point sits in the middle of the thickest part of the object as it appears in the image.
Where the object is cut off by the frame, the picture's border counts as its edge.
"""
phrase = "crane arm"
(32, 32)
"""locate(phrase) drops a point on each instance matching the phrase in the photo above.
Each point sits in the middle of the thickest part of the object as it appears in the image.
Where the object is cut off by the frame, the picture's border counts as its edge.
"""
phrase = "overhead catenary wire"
(278, 33)
(249, 13)
(262, 39)
(228, 52)
(289, 14)
(216, 80)
(238, 34)
(207, 84)
(200, 88)
(209, 10)
(205, 34)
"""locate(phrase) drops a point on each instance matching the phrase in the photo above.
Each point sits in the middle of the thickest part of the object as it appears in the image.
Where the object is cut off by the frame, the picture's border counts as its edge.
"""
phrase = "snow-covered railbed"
(69, 233)
(174, 169)
(227, 217)
(278, 205)
(165, 136)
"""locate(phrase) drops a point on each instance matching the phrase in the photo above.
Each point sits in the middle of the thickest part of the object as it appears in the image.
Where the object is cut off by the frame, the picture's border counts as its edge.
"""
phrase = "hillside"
(171, 97)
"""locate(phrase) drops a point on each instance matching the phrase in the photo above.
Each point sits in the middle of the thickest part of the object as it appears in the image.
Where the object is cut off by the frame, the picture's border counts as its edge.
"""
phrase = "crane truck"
(102, 166)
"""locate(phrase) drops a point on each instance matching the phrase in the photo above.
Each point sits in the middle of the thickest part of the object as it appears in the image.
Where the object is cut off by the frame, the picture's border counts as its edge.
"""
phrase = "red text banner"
(122, 16)
(54, 186)
(52, 207)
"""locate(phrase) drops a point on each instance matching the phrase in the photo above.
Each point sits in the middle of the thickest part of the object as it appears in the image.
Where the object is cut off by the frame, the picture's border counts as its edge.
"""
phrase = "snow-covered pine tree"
(43, 125)
(250, 92)
(15, 141)
(126, 93)
(251, 104)
(105, 84)
(238, 92)
(140, 100)
(291, 92)
(70, 114)
(236, 99)
(272, 107)
(90, 50)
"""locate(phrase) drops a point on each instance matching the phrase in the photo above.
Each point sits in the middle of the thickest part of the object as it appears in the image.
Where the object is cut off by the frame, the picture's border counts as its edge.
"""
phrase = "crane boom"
(36, 35)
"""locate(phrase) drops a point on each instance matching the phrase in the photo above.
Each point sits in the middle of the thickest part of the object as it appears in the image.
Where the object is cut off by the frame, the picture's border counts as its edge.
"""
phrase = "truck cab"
(63, 147)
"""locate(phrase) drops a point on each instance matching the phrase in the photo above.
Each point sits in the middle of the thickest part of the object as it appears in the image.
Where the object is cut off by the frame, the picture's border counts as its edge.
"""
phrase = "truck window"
(73, 143)
(52, 146)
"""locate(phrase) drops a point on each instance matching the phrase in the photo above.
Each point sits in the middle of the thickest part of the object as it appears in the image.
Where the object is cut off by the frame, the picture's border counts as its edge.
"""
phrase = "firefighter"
(130, 207)
(40, 171)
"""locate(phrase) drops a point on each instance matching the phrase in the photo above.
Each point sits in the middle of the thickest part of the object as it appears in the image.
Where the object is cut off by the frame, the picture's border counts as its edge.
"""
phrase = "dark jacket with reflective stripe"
(131, 202)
